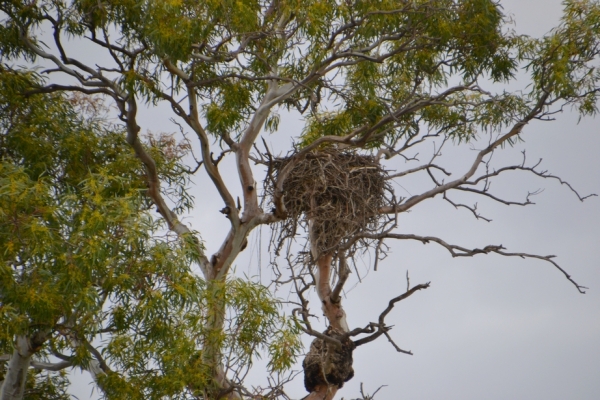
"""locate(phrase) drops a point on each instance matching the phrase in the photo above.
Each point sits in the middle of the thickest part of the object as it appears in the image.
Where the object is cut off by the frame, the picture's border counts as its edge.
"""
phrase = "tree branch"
(380, 325)
(459, 251)
(516, 130)
(51, 366)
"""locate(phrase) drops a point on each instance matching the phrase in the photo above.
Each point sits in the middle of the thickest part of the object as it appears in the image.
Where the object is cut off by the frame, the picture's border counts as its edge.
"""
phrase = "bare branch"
(304, 311)
(541, 174)
(459, 251)
(398, 349)
(417, 169)
(68, 88)
(473, 209)
(51, 366)
(499, 200)
(516, 130)
(380, 325)
(96, 79)
(343, 274)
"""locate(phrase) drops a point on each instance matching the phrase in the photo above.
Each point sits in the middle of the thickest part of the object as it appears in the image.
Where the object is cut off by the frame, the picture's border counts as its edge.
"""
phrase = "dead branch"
(542, 174)
(441, 188)
(304, 311)
(380, 326)
(417, 169)
(459, 251)
(472, 209)
(343, 274)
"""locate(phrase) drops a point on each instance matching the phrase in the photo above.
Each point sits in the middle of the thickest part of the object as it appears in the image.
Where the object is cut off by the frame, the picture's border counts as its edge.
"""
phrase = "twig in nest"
(338, 193)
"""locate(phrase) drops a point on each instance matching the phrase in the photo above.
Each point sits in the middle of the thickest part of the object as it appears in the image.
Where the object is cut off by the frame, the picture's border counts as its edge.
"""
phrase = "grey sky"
(489, 327)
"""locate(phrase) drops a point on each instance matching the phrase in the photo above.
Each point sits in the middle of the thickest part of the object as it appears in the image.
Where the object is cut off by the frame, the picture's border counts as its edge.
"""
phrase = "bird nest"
(335, 194)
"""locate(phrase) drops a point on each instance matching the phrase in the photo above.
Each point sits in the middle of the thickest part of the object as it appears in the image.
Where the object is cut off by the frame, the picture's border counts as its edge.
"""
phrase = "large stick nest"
(336, 194)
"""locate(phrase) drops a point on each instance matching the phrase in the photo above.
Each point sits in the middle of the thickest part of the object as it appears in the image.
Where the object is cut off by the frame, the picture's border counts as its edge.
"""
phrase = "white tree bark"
(13, 387)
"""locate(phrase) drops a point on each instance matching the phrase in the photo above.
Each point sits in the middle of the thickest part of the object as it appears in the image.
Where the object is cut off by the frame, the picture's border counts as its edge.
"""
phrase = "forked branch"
(380, 328)
(459, 251)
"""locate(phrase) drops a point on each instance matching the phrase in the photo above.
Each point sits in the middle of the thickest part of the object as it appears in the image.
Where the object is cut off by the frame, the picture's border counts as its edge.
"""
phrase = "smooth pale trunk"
(334, 313)
(13, 387)
(332, 310)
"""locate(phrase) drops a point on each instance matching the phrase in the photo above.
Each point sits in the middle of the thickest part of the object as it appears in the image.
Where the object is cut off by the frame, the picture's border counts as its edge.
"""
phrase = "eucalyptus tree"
(88, 279)
(373, 79)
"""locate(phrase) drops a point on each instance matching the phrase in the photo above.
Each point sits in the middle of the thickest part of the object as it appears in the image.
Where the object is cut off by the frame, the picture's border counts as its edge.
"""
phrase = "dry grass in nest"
(339, 192)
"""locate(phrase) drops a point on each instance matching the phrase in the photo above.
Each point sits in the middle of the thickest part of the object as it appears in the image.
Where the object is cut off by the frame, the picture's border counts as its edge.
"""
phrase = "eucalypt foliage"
(88, 278)
(100, 272)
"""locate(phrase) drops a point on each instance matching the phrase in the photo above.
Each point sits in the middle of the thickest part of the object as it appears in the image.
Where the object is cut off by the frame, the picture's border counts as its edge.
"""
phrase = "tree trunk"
(13, 387)
(332, 308)
(327, 366)
(322, 392)
(212, 346)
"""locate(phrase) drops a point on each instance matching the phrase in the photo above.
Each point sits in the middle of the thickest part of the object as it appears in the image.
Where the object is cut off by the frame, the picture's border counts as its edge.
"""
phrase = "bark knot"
(327, 365)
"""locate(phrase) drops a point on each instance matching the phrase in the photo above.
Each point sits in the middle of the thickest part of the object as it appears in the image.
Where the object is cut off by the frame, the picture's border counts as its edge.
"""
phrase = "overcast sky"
(489, 327)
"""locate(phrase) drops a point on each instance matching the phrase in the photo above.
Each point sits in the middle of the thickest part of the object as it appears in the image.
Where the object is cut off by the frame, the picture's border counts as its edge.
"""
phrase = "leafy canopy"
(84, 260)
